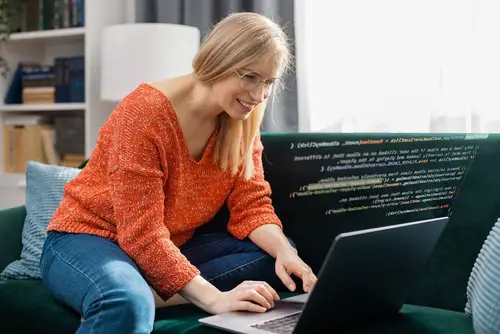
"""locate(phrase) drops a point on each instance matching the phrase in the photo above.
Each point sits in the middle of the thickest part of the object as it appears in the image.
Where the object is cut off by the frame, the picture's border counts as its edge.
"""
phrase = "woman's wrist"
(271, 239)
(201, 293)
(286, 250)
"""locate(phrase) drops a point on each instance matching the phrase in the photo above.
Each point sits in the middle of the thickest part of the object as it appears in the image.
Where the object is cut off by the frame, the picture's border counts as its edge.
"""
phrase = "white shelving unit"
(44, 46)
(6, 108)
(57, 35)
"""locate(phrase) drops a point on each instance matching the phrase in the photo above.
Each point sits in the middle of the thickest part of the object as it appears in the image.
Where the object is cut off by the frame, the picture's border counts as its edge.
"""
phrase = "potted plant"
(10, 19)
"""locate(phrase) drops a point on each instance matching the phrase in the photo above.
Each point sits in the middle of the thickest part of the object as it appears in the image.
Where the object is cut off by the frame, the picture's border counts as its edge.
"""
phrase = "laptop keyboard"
(284, 325)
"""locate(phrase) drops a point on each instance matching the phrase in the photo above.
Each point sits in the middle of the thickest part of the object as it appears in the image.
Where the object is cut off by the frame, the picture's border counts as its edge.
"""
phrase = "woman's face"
(245, 88)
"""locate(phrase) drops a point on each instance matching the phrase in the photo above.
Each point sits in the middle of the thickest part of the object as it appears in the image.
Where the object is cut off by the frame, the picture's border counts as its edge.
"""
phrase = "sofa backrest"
(295, 160)
(317, 182)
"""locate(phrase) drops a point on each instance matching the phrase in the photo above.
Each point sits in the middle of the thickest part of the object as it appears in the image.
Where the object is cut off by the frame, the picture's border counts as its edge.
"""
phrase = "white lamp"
(144, 52)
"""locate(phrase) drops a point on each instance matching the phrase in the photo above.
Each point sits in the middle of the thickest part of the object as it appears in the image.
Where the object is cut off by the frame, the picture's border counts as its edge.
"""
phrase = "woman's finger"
(249, 306)
(265, 284)
(273, 292)
(307, 282)
(265, 292)
(285, 277)
(255, 296)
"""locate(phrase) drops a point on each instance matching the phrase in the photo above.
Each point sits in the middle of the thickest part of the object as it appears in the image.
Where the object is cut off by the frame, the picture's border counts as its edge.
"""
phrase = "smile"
(246, 105)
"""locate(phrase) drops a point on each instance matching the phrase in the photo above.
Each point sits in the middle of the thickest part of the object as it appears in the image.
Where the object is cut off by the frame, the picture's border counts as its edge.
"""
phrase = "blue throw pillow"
(483, 288)
(44, 191)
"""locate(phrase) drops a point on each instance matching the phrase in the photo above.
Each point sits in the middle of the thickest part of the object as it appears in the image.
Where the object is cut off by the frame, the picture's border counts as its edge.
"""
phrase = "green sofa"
(437, 300)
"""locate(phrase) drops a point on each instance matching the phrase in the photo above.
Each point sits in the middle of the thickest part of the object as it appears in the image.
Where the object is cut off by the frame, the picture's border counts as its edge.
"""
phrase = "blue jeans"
(96, 278)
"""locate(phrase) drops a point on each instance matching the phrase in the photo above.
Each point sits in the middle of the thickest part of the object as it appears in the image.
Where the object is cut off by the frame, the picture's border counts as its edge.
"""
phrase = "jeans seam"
(89, 278)
(239, 267)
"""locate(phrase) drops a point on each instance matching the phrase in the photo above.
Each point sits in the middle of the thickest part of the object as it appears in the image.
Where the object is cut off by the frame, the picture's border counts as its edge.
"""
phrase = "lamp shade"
(144, 52)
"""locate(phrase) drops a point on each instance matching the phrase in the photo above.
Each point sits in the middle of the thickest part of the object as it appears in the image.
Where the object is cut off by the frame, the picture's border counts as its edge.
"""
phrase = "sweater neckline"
(207, 152)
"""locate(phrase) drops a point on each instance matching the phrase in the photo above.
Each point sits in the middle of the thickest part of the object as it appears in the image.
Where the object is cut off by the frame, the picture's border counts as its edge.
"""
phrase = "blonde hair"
(237, 41)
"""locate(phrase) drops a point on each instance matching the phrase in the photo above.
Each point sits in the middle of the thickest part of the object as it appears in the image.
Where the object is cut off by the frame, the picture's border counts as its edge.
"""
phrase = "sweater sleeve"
(249, 201)
(136, 176)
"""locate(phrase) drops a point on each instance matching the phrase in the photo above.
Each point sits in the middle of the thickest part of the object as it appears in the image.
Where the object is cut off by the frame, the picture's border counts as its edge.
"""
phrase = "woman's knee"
(129, 302)
(231, 270)
(125, 309)
(109, 291)
(124, 291)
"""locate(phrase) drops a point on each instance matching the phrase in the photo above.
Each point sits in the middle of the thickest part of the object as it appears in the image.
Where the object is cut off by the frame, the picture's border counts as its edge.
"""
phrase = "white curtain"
(398, 65)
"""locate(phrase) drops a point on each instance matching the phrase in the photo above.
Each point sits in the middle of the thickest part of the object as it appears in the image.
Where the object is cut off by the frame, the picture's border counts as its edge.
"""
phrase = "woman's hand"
(288, 262)
(270, 238)
(252, 296)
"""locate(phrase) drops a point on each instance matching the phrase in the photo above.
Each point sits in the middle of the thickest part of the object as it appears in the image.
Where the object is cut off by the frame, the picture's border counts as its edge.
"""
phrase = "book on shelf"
(38, 95)
(34, 138)
(72, 160)
(51, 14)
(56, 14)
(27, 138)
(61, 82)
(69, 75)
(38, 84)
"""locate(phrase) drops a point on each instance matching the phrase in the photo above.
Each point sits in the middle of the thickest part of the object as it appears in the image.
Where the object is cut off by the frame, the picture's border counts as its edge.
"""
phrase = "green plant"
(10, 11)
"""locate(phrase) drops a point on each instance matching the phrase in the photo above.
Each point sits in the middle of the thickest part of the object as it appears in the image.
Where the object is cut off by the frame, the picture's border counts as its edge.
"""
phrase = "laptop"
(366, 274)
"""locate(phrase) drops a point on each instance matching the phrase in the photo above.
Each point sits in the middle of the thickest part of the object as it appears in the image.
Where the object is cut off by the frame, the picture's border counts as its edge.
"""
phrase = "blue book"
(15, 92)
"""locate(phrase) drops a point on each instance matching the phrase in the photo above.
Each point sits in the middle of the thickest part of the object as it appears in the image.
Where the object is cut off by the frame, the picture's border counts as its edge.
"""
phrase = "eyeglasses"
(250, 81)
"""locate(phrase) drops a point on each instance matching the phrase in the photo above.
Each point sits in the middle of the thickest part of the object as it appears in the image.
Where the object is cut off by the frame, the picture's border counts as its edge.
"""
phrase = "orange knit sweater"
(142, 189)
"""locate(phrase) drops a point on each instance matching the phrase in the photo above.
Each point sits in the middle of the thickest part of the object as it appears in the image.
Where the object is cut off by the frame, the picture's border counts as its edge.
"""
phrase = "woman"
(122, 241)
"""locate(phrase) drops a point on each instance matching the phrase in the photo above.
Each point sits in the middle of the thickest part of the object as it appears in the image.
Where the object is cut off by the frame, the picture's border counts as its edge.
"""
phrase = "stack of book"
(38, 138)
(38, 84)
(28, 138)
(60, 82)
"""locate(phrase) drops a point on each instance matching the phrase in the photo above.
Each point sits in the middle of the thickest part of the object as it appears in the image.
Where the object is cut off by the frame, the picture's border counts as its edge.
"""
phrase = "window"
(398, 66)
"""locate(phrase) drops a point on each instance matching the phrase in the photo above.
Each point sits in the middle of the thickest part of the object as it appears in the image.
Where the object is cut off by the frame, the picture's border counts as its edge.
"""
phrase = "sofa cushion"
(419, 319)
(44, 191)
(27, 306)
(483, 289)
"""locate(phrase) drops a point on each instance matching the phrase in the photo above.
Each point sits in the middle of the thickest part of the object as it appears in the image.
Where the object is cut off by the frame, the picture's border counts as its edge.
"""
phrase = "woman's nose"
(260, 93)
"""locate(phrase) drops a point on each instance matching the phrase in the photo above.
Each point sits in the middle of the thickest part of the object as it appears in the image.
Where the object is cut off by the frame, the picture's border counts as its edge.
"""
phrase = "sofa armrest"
(11, 226)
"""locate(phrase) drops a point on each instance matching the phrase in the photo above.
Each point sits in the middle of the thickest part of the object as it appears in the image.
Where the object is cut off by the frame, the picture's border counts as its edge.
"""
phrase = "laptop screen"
(347, 182)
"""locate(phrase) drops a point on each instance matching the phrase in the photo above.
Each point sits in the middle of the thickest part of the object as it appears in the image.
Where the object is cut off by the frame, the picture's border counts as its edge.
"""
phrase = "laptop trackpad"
(297, 299)
(245, 321)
